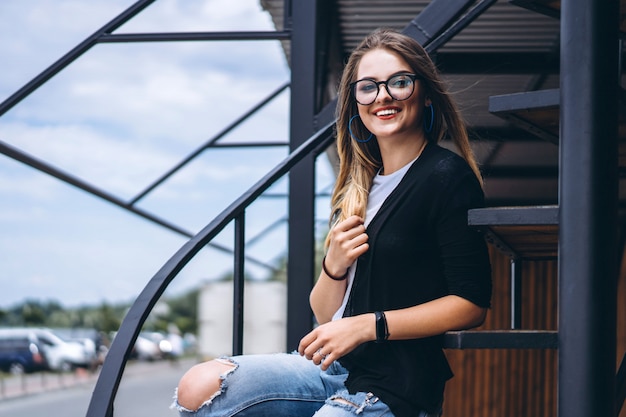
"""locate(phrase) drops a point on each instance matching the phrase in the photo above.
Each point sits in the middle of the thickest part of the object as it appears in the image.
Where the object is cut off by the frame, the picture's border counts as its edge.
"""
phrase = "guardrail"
(101, 404)
(12, 386)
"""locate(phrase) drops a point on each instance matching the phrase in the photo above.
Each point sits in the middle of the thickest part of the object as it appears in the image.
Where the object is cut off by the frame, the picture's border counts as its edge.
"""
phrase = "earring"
(429, 127)
(352, 134)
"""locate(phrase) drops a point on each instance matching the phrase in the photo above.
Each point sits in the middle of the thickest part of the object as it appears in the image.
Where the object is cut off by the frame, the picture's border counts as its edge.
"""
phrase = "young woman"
(401, 266)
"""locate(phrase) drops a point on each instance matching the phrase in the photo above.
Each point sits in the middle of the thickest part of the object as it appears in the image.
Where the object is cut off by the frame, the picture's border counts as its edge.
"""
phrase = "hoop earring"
(429, 127)
(352, 134)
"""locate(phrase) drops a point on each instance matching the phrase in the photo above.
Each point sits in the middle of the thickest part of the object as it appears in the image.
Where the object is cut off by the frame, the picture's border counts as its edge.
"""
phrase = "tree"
(33, 313)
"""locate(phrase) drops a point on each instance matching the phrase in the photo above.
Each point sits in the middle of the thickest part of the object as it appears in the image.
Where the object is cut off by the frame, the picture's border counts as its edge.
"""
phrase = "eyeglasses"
(399, 87)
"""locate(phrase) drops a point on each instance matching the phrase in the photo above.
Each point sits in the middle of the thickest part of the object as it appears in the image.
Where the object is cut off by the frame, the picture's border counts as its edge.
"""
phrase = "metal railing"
(101, 404)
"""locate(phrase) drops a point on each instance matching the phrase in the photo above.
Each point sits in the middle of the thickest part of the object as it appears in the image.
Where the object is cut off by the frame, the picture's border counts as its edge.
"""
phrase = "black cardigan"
(420, 249)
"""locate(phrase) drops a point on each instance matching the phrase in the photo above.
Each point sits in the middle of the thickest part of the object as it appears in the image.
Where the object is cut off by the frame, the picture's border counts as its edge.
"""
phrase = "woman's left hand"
(330, 341)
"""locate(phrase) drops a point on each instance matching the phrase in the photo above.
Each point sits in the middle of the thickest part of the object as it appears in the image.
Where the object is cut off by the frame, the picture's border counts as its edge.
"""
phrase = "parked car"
(146, 349)
(91, 339)
(59, 354)
(20, 353)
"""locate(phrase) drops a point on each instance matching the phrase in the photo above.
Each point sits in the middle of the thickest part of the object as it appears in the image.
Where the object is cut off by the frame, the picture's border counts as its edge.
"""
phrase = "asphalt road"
(146, 390)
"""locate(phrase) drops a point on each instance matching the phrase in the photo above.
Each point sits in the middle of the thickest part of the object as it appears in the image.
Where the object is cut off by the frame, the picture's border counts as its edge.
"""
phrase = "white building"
(265, 311)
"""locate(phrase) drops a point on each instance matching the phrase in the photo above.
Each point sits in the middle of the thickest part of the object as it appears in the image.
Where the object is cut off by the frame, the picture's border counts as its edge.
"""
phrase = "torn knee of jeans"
(343, 402)
(223, 385)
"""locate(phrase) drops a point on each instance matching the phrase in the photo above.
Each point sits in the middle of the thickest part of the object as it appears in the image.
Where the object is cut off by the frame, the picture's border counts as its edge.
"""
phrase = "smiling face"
(385, 117)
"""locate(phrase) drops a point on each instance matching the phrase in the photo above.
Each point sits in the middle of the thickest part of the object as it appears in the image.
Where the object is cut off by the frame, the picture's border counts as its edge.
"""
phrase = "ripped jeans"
(285, 385)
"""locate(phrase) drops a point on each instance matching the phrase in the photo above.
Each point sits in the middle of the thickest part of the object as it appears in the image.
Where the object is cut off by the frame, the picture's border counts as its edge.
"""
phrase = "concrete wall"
(265, 310)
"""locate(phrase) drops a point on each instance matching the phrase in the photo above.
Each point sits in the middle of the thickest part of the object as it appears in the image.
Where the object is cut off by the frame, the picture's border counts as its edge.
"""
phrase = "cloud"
(200, 15)
(120, 117)
(35, 33)
(125, 88)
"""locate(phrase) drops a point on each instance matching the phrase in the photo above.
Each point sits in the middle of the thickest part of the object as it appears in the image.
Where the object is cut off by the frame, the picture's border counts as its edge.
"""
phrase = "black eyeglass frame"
(413, 77)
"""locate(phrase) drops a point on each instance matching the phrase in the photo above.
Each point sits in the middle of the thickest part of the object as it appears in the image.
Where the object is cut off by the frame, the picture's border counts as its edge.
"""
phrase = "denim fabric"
(285, 385)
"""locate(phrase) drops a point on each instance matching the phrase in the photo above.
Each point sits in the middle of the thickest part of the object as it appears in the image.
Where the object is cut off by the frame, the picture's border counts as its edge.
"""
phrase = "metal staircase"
(582, 231)
(579, 232)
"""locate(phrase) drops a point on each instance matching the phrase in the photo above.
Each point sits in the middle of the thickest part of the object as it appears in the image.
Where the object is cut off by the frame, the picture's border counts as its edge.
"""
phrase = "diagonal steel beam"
(46, 168)
(435, 18)
(104, 34)
(458, 25)
(209, 143)
(72, 55)
(195, 36)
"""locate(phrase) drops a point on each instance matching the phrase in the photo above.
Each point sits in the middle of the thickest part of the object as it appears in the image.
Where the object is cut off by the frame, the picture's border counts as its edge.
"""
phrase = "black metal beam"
(486, 219)
(435, 18)
(210, 142)
(329, 62)
(453, 29)
(301, 244)
(510, 106)
(48, 169)
(266, 230)
(193, 36)
(513, 216)
(259, 144)
(501, 339)
(588, 208)
(72, 55)
(238, 282)
(528, 100)
(516, 294)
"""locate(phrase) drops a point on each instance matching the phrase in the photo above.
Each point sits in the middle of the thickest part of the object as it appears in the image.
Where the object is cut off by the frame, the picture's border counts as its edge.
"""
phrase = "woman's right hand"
(348, 241)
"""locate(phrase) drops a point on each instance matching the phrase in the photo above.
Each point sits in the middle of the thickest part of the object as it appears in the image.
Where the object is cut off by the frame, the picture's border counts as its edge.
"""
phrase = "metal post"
(588, 208)
(516, 293)
(239, 282)
(302, 178)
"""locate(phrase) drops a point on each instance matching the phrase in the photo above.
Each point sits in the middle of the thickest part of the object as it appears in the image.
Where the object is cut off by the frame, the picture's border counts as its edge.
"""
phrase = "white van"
(60, 355)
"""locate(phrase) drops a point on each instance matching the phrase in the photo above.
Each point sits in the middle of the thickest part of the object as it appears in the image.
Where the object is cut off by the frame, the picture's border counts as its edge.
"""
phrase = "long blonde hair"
(359, 162)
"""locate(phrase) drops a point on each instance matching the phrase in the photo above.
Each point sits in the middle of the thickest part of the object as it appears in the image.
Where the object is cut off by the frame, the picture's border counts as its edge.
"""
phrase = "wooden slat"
(620, 383)
(509, 382)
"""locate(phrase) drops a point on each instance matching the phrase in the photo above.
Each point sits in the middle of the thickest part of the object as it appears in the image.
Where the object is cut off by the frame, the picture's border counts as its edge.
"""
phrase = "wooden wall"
(519, 383)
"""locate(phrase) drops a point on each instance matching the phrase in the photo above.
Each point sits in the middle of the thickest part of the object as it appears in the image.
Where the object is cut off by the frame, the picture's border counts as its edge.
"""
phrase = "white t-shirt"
(382, 186)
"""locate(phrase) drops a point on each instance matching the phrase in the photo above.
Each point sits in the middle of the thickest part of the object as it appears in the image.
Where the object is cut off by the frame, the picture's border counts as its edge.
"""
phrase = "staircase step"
(534, 111)
(520, 232)
(502, 339)
(538, 112)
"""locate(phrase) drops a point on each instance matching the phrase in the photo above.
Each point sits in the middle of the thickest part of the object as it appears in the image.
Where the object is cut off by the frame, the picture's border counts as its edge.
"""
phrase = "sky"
(120, 117)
